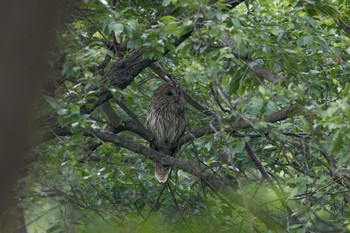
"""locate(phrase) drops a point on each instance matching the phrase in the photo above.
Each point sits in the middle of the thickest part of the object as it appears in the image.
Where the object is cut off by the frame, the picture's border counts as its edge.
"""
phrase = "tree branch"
(123, 73)
(112, 116)
(241, 124)
(123, 106)
(252, 64)
(257, 162)
(219, 185)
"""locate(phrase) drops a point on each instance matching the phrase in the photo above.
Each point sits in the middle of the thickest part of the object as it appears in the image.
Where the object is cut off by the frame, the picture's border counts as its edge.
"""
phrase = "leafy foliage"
(269, 83)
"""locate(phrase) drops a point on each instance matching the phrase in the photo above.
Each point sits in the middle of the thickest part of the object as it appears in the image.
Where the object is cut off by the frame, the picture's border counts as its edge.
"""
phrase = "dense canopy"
(266, 147)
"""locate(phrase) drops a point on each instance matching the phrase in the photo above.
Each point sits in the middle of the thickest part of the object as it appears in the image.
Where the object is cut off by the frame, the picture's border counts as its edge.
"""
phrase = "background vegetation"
(267, 143)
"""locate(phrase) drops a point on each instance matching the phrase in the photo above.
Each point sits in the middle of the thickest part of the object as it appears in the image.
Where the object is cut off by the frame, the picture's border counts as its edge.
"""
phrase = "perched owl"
(166, 120)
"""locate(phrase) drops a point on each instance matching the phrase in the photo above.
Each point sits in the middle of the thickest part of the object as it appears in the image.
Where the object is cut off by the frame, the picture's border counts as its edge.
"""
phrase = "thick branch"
(112, 116)
(155, 155)
(123, 73)
(217, 184)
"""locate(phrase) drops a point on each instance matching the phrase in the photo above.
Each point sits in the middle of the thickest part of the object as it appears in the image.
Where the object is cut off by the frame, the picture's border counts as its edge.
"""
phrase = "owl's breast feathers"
(167, 126)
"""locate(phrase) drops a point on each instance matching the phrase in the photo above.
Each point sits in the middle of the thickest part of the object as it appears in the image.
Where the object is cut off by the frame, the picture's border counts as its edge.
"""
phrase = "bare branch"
(218, 101)
(257, 161)
(191, 136)
(123, 106)
(111, 114)
(147, 152)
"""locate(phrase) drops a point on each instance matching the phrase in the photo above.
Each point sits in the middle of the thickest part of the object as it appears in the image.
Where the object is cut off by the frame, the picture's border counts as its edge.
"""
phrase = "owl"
(166, 119)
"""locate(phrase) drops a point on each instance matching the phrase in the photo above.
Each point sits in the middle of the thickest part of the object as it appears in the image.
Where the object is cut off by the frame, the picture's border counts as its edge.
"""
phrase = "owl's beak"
(176, 99)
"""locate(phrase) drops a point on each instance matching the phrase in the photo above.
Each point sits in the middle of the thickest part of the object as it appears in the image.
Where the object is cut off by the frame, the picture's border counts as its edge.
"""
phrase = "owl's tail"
(162, 172)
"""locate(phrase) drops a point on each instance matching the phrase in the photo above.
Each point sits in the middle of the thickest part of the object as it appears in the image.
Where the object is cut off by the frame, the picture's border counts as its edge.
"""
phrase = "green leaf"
(54, 103)
(117, 28)
(239, 146)
(211, 14)
(167, 19)
(53, 228)
(187, 23)
(305, 40)
(171, 28)
(166, 2)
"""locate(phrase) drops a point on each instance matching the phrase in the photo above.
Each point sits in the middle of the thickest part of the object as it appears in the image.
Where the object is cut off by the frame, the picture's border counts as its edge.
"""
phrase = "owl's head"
(170, 93)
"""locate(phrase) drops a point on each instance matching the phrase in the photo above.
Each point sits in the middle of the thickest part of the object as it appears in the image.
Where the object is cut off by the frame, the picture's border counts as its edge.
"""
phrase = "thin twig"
(153, 208)
(178, 208)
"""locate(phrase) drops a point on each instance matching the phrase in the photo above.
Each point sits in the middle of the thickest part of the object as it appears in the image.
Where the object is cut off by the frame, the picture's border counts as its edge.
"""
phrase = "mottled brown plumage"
(166, 120)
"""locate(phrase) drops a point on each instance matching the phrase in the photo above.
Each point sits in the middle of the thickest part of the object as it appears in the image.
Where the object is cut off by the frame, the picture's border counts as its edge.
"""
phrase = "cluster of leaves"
(245, 62)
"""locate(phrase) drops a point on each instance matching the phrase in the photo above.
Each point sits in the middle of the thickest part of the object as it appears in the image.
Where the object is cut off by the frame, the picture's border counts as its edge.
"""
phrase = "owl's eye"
(169, 93)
